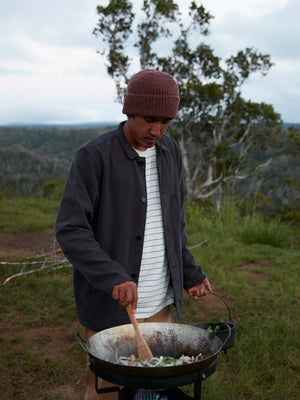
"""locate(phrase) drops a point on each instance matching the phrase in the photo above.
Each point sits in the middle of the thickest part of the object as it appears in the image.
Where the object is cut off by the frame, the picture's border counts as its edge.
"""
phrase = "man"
(121, 220)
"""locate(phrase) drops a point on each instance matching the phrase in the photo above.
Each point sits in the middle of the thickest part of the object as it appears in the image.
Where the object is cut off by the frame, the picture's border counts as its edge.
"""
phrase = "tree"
(216, 128)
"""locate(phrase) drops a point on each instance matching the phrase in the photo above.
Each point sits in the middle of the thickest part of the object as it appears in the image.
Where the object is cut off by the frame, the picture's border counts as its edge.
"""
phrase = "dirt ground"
(33, 245)
(28, 244)
(36, 244)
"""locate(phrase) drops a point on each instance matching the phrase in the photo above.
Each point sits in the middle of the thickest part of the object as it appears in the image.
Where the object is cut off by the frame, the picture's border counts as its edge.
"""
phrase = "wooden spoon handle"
(143, 349)
(133, 319)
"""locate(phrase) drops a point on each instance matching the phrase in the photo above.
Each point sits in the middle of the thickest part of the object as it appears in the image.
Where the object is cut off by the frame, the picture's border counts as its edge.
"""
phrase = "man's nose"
(156, 128)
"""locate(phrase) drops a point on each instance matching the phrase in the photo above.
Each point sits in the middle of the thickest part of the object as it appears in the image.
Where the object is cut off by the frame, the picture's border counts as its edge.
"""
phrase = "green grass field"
(253, 264)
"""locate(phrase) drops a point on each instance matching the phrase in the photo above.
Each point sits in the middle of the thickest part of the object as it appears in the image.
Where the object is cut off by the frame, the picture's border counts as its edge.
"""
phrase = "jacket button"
(140, 161)
(139, 238)
(143, 199)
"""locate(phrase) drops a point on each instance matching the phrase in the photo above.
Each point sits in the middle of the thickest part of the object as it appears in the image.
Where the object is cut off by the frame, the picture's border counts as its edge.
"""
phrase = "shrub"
(53, 189)
(255, 230)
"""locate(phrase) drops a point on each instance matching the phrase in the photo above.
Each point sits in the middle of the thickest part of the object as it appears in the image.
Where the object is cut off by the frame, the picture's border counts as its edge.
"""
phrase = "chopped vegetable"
(157, 361)
(215, 329)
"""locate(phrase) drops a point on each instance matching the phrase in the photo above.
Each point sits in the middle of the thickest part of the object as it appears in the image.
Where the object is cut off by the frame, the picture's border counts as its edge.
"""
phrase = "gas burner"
(142, 394)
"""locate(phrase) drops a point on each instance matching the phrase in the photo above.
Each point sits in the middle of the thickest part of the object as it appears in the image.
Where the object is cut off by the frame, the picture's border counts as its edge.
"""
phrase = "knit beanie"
(151, 93)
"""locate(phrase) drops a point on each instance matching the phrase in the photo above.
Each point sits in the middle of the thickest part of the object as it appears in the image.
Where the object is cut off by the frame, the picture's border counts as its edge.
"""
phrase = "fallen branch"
(199, 244)
(46, 254)
(54, 268)
(55, 263)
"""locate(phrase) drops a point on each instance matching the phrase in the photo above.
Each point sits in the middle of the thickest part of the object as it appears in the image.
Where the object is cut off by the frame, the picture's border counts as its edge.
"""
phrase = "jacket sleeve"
(75, 221)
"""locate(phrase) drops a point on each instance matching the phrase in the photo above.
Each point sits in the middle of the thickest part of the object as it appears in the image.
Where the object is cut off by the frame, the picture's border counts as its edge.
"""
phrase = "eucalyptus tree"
(217, 129)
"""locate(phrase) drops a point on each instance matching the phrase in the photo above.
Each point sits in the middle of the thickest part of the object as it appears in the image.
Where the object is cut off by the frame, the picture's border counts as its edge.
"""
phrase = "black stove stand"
(151, 388)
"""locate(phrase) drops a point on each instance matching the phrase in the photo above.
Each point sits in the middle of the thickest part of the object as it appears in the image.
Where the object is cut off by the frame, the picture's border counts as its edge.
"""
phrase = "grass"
(264, 363)
(38, 355)
(31, 214)
(255, 230)
(259, 278)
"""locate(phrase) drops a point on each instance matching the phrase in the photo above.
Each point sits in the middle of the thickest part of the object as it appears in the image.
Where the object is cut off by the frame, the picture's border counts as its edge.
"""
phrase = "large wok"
(164, 339)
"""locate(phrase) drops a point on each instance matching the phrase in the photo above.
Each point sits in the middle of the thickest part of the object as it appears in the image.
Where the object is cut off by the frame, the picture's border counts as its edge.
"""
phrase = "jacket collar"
(125, 144)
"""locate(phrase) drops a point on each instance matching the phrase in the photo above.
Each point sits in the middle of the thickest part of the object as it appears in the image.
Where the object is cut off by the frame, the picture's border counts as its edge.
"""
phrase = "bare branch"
(52, 261)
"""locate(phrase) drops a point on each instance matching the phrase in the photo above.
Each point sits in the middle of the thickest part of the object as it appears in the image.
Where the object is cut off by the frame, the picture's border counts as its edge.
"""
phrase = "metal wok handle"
(80, 341)
(228, 309)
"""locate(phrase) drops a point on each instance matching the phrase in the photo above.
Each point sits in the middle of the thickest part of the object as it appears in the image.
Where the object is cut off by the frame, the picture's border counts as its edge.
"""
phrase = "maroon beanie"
(151, 93)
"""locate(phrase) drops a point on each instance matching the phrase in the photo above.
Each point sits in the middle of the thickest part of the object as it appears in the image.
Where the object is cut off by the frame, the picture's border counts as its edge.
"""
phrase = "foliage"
(249, 229)
(46, 156)
(277, 188)
(53, 189)
(38, 320)
(254, 230)
(216, 128)
(30, 157)
(293, 139)
(253, 279)
(26, 214)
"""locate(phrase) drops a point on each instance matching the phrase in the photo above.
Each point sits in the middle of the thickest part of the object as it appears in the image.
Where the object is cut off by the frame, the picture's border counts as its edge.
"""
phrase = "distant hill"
(83, 125)
(31, 156)
(285, 125)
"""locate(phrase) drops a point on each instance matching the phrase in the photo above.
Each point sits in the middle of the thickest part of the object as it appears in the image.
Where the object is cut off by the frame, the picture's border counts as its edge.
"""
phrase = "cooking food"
(212, 330)
(157, 361)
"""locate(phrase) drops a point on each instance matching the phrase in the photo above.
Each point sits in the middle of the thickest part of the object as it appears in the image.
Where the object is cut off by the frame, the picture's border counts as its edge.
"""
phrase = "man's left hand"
(199, 290)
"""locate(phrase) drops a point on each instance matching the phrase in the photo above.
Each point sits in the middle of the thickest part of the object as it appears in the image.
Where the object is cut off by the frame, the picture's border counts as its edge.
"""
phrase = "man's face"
(143, 132)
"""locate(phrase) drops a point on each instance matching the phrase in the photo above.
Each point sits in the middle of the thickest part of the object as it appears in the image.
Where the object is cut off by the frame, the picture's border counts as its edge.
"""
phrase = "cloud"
(59, 99)
(281, 88)
(273, 30)
(248, 8)
(42, 35)
(49, 69)
(56, 22)
(55, 84)
(270, 27)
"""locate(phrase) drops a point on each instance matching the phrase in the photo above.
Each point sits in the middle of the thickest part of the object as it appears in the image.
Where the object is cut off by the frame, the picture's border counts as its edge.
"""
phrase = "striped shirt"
(154, 289)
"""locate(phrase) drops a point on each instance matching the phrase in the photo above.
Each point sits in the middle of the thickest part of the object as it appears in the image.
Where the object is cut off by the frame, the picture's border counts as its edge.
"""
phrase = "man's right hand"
(126, 293)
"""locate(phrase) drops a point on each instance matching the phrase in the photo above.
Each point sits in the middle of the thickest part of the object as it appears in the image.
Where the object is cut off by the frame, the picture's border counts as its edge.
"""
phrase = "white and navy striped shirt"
(154, 289)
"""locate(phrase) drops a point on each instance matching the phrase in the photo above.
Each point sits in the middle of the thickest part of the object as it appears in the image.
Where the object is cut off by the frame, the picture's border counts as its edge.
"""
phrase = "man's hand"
(126, 293)
(199, 290)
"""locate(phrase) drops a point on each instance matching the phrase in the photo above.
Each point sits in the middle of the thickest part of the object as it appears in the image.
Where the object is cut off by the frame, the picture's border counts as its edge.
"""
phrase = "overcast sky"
(50, 71)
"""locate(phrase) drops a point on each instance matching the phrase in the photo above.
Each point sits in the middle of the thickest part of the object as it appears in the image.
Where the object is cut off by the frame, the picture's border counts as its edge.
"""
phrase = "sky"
(51, 73)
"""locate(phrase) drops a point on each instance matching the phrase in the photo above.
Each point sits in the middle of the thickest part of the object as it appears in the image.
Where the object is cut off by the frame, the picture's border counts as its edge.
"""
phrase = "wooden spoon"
(144, 351)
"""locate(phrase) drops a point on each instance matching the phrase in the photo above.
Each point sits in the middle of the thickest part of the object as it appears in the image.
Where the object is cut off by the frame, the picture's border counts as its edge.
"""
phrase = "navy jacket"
(101, 220)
